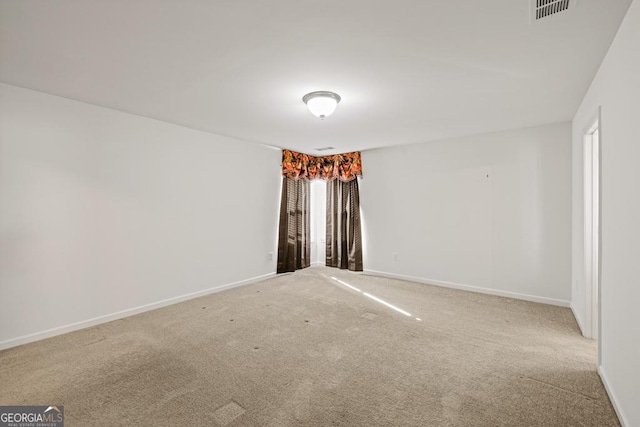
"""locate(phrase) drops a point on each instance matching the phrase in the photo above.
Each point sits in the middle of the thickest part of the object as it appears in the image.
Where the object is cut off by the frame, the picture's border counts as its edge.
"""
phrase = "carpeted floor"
(305, 350)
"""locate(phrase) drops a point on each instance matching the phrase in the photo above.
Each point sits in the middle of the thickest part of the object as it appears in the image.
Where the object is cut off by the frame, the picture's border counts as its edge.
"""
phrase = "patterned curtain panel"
(345, 167)
(294, 249)
(344, 234)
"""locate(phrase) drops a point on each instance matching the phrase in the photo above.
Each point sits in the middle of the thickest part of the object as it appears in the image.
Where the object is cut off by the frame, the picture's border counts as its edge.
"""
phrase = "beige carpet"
(304, 350)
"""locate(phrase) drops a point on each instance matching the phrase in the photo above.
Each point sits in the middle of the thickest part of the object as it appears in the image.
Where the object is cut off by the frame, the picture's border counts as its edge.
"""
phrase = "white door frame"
(592, 137)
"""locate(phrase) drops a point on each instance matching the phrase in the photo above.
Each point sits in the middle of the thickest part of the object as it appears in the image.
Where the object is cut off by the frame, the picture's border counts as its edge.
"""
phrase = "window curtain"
(344, 243)
(294, 249)
(344, 233)
(345, 167)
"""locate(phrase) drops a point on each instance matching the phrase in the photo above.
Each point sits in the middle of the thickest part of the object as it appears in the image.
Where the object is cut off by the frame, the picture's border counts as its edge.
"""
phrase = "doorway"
(592, 227)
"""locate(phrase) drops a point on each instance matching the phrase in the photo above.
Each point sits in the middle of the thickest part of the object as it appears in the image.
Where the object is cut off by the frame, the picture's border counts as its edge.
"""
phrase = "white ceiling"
(407, 71)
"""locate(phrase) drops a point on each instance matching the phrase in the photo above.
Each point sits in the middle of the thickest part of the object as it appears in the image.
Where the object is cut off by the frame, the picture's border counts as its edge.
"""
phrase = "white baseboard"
(471, 288)
(612, 398)
(578, 320)
(37, 336)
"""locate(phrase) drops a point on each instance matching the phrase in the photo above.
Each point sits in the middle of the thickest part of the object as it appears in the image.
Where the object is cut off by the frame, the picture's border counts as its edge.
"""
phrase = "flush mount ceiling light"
(321, 103)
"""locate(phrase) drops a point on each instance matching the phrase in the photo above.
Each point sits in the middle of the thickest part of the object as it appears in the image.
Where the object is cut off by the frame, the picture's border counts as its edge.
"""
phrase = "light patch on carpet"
(334, 354)
(227, 413)
(369, 316)
(562, 389)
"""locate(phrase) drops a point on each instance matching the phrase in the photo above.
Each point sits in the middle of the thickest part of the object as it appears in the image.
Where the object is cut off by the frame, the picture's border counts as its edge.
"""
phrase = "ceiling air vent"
(325, 148)
(544, 8)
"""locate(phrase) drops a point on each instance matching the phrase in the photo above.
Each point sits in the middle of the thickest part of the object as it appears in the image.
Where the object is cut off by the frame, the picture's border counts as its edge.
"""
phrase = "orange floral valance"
(345, 167)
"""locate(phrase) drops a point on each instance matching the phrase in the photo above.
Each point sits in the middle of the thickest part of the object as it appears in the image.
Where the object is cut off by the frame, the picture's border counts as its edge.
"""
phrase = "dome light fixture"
(321, 103)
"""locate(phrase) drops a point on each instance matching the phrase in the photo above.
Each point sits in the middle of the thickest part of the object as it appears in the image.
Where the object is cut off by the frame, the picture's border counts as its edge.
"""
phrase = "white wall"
(616, 89)
(489, 211)
(103, 212)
